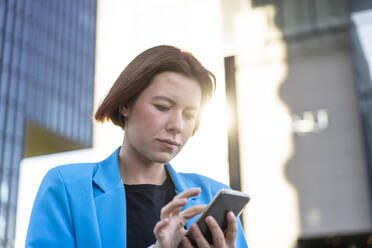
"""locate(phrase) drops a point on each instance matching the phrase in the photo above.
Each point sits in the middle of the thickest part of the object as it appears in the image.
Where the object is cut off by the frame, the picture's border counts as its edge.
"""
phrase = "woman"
(134, 198)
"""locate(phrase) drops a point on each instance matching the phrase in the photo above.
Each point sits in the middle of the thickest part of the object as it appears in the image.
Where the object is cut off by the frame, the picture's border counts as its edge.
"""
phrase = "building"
(47, 52)
(305, 121)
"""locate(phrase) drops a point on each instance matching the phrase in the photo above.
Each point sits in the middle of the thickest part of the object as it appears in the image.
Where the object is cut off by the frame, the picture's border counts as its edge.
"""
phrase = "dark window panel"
(3, 20)
(297, 16)
(20, 125)
(7, 158)
(3, 8)
(10, 119)
(2, 144)
(55, 110)
(4, 84)
(37, 101)
(57, 66)
(75, 83)
(22, 91)
(30, 107)
(13, 176)
(90, 130)
(69, 120)
(18, 26)
(13, 85)
(331, 13)
(51, 59)
(63, 103)
(6, 61)
(63, 71)
(9, 18)
(2, 115)
(10, 232)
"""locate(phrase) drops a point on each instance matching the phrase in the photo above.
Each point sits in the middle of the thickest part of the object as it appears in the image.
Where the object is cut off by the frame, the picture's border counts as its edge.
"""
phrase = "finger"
(232, 228)
(217, 234)
(188, 193)
(173, 206)
(183, 231)
(186, 243)
(198, 236)
(192, 211)
(159, 226)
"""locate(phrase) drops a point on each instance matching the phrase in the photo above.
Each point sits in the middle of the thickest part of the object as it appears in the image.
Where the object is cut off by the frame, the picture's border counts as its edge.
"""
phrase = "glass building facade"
(296, 18)
(362, 75)
(47, 54)
(306, 25)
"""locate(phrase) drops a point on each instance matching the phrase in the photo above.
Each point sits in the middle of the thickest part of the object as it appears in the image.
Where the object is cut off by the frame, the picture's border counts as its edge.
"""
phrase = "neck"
(135, 169)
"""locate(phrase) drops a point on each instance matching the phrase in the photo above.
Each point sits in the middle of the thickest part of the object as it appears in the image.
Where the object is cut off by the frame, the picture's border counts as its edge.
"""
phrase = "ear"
(124, 110)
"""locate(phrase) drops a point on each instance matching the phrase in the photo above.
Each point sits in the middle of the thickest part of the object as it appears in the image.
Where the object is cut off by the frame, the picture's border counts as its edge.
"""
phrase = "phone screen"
(225, 201)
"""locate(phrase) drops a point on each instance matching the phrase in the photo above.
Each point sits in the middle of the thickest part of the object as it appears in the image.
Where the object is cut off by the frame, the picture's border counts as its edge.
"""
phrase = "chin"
(163, 158)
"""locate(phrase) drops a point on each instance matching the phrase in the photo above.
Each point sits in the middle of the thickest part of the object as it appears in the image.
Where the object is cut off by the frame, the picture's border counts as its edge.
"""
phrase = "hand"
(170, 229)
(220, 239)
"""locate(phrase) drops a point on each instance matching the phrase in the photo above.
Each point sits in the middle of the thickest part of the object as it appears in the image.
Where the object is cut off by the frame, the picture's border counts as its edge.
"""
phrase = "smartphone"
(226, 200)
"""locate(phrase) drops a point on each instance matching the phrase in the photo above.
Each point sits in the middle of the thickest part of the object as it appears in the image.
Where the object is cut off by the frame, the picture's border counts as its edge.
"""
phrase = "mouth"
(169, 142)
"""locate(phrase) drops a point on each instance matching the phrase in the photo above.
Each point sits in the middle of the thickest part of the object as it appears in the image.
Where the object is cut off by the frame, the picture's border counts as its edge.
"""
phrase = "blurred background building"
(46, 88)
(309, 63)
(290, 124)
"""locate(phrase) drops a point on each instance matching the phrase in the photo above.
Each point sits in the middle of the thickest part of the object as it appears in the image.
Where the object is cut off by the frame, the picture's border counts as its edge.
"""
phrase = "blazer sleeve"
(51, 223)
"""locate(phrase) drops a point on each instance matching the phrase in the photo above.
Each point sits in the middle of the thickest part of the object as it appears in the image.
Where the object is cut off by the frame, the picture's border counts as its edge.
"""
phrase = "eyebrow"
(171, 101)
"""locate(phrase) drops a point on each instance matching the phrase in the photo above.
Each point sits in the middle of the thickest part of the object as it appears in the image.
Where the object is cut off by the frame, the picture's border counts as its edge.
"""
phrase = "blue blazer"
(83, 205)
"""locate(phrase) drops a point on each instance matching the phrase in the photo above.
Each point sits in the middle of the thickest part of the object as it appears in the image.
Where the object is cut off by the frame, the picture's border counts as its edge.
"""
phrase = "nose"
(175, 122)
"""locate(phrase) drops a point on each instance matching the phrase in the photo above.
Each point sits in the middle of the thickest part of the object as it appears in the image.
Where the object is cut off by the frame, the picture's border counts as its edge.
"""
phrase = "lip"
(169, 142)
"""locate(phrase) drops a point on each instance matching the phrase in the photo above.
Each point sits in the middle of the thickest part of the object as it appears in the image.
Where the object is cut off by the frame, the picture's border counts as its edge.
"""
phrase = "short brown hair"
(139, 74)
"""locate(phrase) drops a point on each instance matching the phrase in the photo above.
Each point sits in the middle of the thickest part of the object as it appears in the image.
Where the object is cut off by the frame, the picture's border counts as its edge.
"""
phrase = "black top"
(144, 202)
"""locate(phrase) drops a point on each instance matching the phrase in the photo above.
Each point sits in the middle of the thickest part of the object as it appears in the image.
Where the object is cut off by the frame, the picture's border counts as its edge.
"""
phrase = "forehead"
(177, 87)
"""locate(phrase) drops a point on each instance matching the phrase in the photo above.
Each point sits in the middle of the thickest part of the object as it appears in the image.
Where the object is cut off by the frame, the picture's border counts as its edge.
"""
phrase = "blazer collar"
(108, 172)
(179, 184)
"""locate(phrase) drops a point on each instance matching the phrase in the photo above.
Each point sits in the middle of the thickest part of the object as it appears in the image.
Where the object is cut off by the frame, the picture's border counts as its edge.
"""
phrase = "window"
(297, 17)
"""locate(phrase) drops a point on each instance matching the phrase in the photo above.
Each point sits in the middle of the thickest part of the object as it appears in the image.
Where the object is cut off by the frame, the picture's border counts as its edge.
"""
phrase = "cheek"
(188, 132)
(149, 118)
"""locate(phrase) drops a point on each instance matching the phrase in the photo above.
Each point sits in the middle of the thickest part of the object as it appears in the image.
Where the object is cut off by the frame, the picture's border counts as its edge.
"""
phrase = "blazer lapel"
(110, 202)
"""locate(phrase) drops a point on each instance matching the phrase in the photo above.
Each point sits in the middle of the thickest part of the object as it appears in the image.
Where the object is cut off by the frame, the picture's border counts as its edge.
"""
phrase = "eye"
(190, 116)
(161, 108)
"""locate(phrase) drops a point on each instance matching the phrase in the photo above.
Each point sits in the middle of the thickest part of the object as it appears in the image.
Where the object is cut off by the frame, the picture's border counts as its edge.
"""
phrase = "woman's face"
(162, 118)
